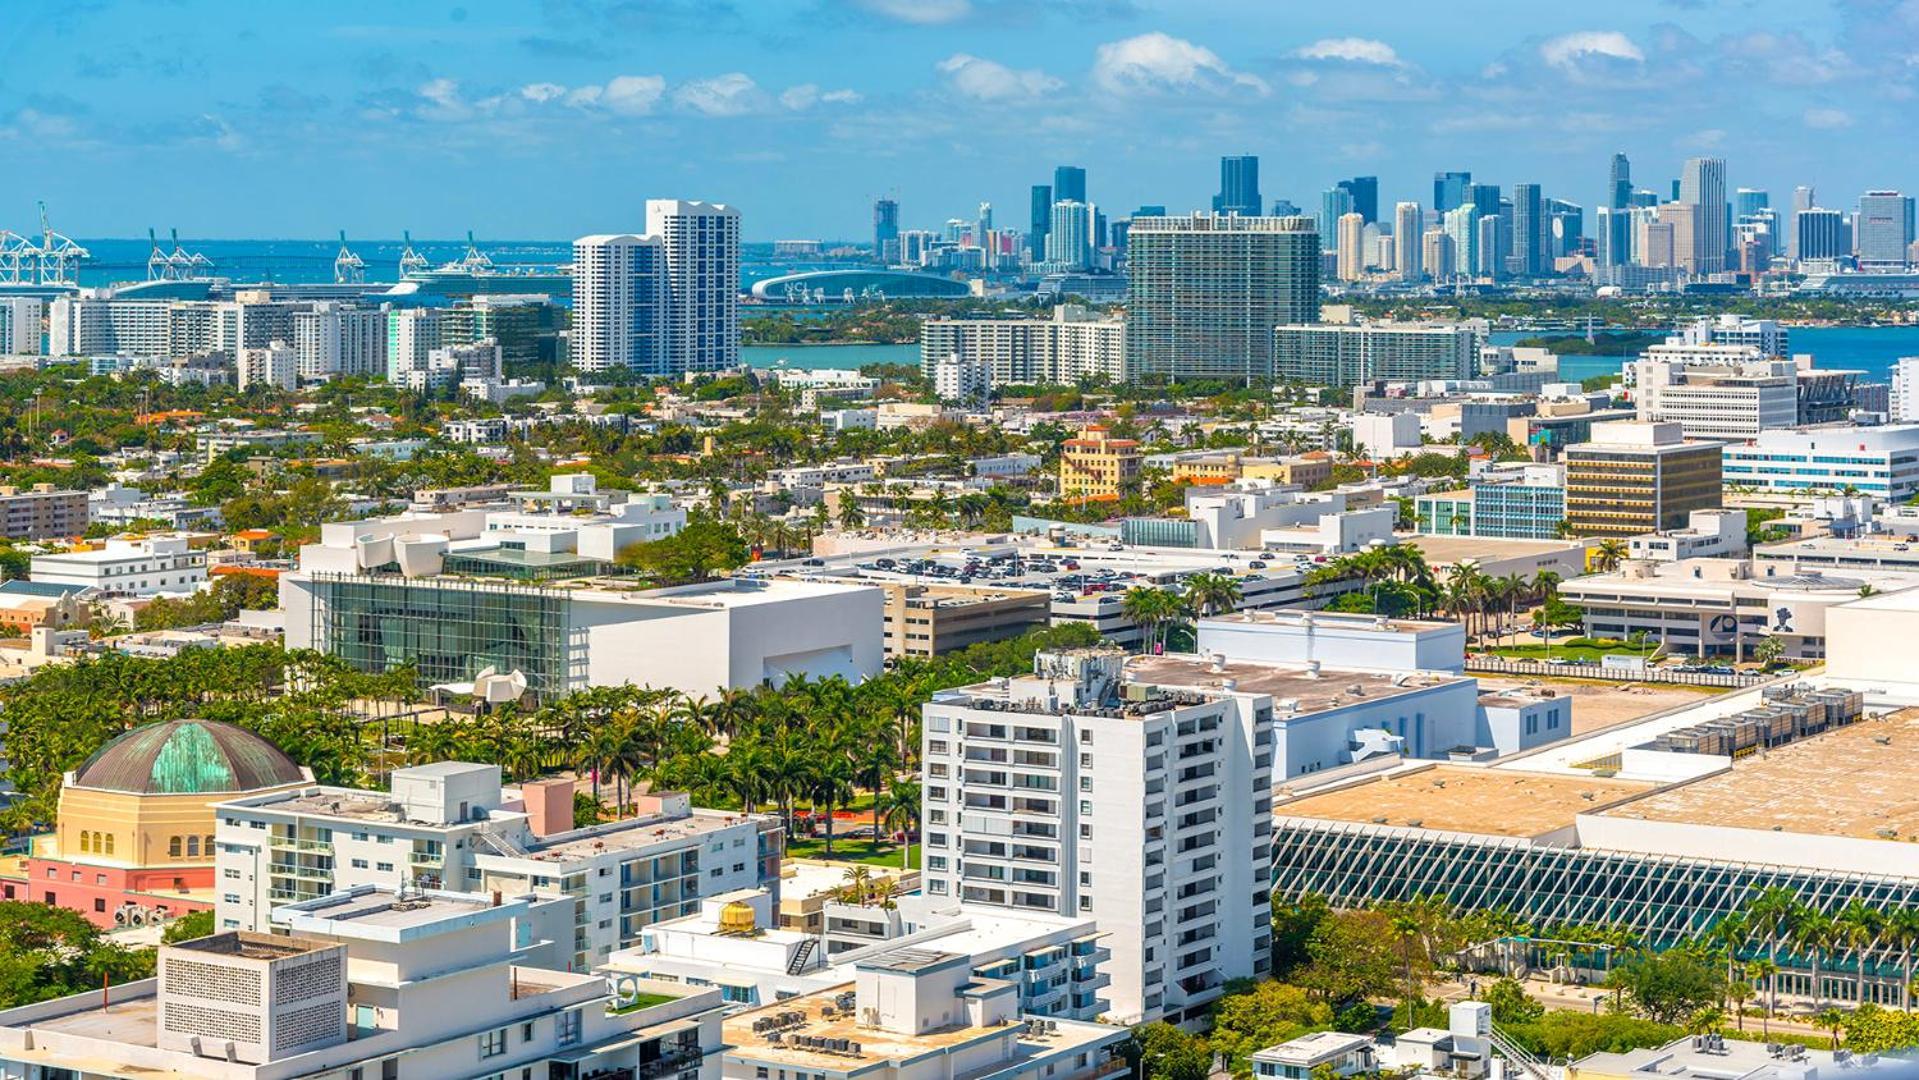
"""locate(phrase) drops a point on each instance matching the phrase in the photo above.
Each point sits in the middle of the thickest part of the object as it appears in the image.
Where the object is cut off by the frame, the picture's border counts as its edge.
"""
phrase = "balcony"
(294, 843)
(426, 858)
(304, 873)
(680, 1060)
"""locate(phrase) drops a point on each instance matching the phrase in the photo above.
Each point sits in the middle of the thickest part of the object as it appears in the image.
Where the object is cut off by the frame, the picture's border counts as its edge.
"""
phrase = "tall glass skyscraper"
(1334, 203)
(886, 230)
(1238, 186)
(1069, 183)
(1040, 220)
(1619, 183)
(1529, 230)
(1703, 184)
(1365, 193)
(1449, 190)
(1205, 292)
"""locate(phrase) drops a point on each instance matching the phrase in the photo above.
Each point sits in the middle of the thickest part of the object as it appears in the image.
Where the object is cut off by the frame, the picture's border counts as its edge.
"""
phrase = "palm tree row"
(1783, 929)
(1156, 609)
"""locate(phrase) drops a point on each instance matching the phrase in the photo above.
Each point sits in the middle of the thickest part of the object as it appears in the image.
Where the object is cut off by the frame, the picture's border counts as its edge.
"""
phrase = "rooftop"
(1452, 798)
(1854, 781)
(632, 834)
(382, 914)
(1328, 689)
(251, 946)
(1327, 620)
(1449, 550)
(878, 1045)
(1728, 1058)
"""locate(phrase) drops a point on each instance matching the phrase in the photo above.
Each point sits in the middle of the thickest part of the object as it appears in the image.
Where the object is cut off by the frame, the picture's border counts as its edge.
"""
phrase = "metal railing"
(1582, 670)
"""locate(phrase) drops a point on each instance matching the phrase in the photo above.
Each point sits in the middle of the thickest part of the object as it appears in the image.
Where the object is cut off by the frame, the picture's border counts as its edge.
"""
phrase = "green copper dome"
(187, 757)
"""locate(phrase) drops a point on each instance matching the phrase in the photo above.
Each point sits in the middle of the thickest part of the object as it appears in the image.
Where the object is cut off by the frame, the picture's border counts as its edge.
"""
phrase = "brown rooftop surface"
(1329, 689)
(1845, 782)
(876, 1045)
(1447, 550)
(1492, 802)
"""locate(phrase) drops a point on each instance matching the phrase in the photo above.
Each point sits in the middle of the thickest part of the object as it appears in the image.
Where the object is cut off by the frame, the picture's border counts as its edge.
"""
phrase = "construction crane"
(411, 261)
(348, 268)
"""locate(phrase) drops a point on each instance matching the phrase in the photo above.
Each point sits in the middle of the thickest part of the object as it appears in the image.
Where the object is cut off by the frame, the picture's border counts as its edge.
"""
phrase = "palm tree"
(902, 813)
(1734, 932)
(1772, 913)
(1609, 554)
(1857, 930)
(1832, 1020)
(1211, 594)
(1738, 992)
(1813, 932)
(859, 884)
(1902, 931)
(1768, 971)
(1152, 608)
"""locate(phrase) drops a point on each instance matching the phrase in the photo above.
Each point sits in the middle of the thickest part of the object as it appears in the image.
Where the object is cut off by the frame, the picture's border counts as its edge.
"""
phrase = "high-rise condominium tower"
(663, 303)
(702, 242)
(1205, 291)
(619, 304)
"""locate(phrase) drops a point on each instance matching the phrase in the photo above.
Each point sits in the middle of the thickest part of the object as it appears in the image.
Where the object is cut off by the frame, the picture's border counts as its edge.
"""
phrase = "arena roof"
(888, 282)
(1447, 798)
(1855, 781)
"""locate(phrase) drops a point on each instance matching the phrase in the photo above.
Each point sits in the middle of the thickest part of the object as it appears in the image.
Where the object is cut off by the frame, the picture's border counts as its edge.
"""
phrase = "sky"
(547, 119)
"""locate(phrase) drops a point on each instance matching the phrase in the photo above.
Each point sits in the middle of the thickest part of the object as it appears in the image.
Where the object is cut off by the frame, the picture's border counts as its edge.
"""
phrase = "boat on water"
(473, 274)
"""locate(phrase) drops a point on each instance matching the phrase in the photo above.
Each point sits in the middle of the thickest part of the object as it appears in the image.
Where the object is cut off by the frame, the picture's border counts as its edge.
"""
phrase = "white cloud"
(1828, 119)
(1157, 61)
(630, 95)
(732, 94)
(542, 92)
(920, 12)
(442, 101)
(988, 80)
(1355, 50)
(1567, 50)
(807, 95)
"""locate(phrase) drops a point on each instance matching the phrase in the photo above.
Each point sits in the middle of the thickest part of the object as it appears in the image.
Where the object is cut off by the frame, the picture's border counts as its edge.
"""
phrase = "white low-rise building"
(451, 826)
(372, 983)
(1054, 961)
(915, 1014)
(146, 567)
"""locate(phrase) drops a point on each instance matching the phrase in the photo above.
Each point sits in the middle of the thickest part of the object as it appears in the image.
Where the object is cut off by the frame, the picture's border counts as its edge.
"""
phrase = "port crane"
(348, 268)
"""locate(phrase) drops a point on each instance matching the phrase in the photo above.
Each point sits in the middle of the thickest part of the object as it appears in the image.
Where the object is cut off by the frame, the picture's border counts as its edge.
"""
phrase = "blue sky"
(552, 118)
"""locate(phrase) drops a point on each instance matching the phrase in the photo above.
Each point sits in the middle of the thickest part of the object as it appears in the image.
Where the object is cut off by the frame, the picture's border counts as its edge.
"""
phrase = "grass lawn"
(1559, 651)
(642, 1000)
(884, 854)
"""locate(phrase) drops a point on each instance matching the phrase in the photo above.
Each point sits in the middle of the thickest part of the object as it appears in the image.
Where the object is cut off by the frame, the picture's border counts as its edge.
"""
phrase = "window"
(359, 864)
(568, 1030)
(109, 850)
(526, 1032)
(492, 1043)
(384, 868)
(100, 904)
(193, 847)
(173, 847)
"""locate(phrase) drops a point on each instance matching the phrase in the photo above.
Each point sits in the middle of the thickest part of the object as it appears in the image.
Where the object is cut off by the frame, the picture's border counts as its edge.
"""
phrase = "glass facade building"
(1515, 511)
(449, 629)
(1665, 900)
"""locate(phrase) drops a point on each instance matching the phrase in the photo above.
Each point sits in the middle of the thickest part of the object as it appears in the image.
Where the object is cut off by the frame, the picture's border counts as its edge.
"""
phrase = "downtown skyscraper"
(886, 230)
(1238, 186)
(1703, 186)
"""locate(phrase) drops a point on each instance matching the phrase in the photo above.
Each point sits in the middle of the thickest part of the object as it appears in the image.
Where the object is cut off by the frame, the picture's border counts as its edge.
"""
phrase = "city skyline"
(558, 119)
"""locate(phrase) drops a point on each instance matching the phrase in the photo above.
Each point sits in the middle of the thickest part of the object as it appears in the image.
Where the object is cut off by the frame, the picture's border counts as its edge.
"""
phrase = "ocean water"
(302, 262)
(848, 357)
(1871, 349)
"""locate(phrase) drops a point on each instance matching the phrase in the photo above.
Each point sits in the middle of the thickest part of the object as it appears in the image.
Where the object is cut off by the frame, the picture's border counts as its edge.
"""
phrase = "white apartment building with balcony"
(451, 826)
(1073, 792)
(371, 984)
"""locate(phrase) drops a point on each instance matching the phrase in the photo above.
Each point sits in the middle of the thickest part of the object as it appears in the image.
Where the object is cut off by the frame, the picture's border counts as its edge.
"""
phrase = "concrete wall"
(1336, 643)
